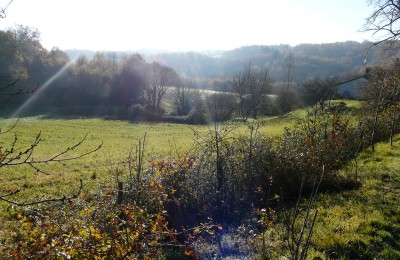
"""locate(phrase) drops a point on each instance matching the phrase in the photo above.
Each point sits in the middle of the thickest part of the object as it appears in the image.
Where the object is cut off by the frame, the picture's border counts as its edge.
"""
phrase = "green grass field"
(355, 223)
(349, 223)
(119, 139)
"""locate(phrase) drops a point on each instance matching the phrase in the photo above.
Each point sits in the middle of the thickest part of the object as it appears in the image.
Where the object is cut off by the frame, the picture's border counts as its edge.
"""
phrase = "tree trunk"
(393, 126)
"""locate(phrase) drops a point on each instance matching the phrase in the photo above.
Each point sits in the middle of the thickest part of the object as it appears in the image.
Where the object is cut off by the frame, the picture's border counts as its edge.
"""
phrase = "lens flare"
(38, 92)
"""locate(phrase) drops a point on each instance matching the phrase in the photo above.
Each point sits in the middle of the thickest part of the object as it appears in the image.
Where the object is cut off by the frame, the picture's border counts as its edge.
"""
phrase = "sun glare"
(41, 89)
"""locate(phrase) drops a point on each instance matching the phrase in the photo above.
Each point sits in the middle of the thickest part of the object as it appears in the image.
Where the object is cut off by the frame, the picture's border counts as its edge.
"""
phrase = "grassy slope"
(364, 223)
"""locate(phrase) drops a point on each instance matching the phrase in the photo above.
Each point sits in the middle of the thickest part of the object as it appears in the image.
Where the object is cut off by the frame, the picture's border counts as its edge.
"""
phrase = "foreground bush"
(92, 229)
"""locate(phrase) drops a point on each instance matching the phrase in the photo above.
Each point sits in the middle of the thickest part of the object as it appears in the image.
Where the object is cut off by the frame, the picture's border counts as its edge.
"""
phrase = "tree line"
(106, 80)
(128, 87)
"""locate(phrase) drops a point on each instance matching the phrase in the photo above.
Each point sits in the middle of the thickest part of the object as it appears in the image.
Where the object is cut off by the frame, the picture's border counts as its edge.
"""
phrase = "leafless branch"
(62, 199)
(385, 19)
(13, 156)
(9, 128)
(7, 94)
(3, 10)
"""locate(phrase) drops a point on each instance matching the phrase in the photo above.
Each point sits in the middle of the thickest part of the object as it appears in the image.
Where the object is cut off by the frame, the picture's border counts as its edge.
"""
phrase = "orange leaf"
(189, 252)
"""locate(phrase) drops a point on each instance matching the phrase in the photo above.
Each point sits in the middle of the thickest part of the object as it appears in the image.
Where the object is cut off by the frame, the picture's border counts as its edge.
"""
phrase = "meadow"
(352, 222)
(119, 140)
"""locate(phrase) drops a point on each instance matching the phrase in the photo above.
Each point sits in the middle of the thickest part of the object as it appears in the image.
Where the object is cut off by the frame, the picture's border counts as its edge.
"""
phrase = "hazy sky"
(187, 24)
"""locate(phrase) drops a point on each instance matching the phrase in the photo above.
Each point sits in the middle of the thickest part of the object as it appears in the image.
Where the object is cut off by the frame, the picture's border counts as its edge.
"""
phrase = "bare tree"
(384, 20)
(239, 88)
(183, 97)
(394, 99)
(382, 95)
(158, 79)
(286, 95)
(259, 86)
(251, 87)
(221, 106)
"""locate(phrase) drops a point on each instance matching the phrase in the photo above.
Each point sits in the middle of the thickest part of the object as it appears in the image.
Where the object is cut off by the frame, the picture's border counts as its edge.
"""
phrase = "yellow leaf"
(83, 233)
(92, 230)
(97, 236)
(196, 231)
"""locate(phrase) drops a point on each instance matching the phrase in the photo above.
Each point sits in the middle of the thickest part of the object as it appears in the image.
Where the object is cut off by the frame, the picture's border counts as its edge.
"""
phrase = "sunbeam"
(38, 92)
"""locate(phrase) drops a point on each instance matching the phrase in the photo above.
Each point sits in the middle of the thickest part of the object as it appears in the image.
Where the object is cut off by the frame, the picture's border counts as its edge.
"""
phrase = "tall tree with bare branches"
(158, 79)
(287, 97)
(251, 86)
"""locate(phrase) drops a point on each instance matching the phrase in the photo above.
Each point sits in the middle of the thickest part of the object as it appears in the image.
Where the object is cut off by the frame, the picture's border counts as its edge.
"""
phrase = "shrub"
(138, 112)
(221, 106)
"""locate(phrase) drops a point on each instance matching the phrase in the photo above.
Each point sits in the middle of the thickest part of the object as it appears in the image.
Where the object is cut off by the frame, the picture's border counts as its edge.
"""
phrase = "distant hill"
(310, 60)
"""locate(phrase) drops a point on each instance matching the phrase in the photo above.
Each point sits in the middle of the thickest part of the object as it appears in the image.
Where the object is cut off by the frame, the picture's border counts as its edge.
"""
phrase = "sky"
(187, 25)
